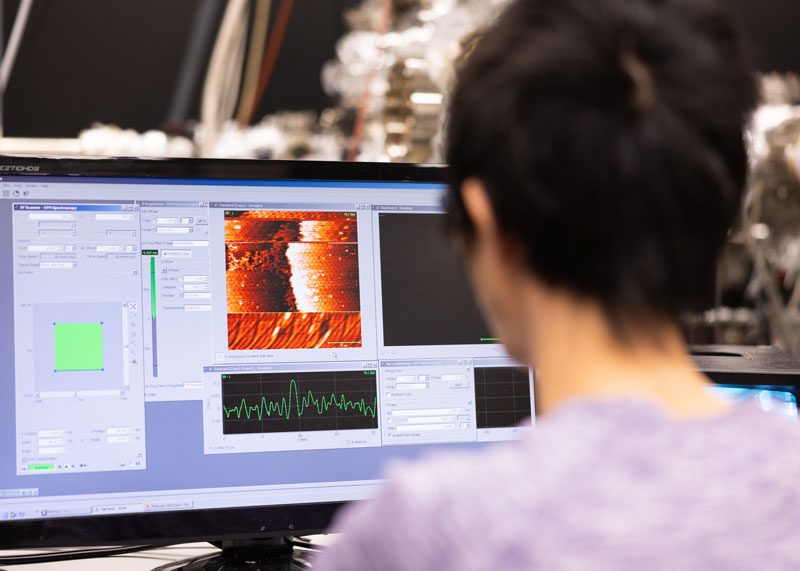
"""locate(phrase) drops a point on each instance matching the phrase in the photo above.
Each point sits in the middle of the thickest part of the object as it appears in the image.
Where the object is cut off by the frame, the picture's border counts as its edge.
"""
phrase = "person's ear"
(479, 208)
(487, 230)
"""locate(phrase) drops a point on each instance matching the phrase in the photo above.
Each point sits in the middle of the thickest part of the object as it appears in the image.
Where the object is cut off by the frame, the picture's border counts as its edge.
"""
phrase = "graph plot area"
(78, 346)
(502, 396)
(299, 401)
(292, 280)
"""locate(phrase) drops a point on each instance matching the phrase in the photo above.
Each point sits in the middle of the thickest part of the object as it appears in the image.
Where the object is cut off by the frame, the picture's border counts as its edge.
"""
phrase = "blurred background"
(354, 80)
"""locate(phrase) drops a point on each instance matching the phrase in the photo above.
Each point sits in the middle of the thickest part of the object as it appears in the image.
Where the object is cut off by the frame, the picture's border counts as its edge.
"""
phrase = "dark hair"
(609, 137)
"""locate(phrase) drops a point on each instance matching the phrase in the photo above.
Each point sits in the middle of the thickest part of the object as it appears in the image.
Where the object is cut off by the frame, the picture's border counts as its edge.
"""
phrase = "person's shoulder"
(433, 481)
(533, 464)
(614, 456)
(427, 506)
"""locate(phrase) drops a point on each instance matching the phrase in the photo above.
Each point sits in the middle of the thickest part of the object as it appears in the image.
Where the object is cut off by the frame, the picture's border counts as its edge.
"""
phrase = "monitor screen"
(189, 344)
(770, 399)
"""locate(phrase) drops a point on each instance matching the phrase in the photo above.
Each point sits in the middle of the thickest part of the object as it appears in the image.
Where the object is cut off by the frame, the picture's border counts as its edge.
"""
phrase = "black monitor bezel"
(194, 525)
(220, 169)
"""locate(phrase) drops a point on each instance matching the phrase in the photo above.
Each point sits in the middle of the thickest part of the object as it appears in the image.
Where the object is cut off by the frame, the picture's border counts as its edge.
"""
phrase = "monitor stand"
(273, 554)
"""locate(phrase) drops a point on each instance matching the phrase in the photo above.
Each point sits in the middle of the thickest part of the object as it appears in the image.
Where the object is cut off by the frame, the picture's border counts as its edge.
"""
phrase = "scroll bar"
(126, 375)
(153, 310)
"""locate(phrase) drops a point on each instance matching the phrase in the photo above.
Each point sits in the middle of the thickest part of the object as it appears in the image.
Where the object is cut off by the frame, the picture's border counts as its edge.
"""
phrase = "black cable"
(195, 58)
(91, 553)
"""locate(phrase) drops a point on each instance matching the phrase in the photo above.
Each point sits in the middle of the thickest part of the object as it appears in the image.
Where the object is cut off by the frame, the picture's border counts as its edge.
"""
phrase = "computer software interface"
(177, 344)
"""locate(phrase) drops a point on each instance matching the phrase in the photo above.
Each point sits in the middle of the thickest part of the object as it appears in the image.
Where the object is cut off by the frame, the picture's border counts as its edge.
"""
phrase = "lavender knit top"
(615, 484)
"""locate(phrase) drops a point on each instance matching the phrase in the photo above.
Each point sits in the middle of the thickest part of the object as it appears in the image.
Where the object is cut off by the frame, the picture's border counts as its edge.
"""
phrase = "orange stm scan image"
(292, 280)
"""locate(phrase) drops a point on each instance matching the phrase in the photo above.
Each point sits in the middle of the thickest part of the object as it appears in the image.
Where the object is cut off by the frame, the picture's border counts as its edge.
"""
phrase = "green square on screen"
(79, 346)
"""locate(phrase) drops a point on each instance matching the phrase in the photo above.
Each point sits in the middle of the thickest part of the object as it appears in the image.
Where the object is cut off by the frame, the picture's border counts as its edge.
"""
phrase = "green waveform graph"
(281, 402)
(284, 407)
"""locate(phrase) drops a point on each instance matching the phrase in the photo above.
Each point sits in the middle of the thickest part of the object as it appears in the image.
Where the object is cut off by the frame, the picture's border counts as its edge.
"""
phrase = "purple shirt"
(613, 484)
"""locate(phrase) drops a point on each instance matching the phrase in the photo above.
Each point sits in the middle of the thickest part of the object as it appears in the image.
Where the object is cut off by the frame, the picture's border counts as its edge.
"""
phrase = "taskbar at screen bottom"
(170, 527)
(185, 500)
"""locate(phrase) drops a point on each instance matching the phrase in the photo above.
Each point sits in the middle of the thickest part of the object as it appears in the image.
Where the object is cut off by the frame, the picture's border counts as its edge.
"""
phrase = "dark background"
(116, 61)
(772, 26)
(426, 298)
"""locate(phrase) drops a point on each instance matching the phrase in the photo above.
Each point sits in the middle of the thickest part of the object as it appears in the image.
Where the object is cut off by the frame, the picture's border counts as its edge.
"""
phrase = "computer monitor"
(767, 376)
(206, 349)
(780, 400)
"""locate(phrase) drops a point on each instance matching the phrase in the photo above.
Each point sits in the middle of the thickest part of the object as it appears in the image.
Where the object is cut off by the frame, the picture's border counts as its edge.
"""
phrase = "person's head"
(596, 148)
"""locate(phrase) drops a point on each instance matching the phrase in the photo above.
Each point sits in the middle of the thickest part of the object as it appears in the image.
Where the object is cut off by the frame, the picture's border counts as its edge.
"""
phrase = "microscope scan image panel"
(292, 280)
